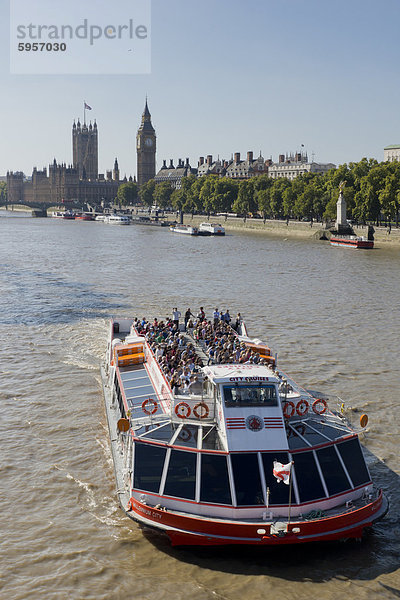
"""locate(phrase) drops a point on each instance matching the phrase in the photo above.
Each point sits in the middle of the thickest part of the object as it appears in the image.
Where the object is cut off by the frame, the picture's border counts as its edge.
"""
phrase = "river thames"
(331, 314)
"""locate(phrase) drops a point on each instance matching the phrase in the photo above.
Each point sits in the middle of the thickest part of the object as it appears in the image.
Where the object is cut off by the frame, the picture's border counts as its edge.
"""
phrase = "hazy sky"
(226, 76)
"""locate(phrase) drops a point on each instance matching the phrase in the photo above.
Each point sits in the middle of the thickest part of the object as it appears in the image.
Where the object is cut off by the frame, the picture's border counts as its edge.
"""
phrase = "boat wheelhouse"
(212, 228)
(209, 467)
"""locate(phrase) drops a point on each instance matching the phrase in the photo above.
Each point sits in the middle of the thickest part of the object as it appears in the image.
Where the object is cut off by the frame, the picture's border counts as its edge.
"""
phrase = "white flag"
(282, 472)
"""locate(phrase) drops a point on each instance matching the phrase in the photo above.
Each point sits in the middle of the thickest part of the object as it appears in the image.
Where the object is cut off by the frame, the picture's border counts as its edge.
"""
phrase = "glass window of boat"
(250, 395)
(214, 484)
(147, 428)
(148, 467)
(181, 475)
(295, 430)
(331, 432)
(307, 477)
(278, 492)
(187, 436)
(246, 475)
(335, 477)
(210, 439)
(163, 433)
(353, 458)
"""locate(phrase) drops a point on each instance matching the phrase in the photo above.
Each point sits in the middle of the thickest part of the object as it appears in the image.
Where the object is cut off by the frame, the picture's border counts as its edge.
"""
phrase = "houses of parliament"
(80, 182)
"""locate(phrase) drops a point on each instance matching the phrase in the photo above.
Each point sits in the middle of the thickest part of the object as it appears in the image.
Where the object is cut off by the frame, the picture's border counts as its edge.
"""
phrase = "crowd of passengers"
(178, 358)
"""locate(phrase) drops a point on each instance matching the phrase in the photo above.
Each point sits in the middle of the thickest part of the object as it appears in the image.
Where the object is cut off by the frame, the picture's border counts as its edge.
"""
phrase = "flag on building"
(282, 472)
(87, 107)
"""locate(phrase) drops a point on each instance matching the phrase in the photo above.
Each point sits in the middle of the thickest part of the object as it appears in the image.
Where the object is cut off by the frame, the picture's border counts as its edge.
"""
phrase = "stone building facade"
(62, 183)
(174, 174)
(291, 166)
(391, 153)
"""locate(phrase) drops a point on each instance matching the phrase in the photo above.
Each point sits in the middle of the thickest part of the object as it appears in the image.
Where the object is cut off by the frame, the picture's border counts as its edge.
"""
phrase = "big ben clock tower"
(146, 148)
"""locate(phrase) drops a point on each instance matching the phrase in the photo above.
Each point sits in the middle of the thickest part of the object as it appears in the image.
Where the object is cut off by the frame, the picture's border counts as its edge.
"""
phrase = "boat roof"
(240, 373)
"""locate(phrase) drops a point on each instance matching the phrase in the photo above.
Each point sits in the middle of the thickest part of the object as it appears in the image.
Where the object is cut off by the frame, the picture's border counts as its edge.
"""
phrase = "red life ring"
(319, 411)
(203, 412)
(149, 411)
(302, 407)
(288, 404)
(182, 410)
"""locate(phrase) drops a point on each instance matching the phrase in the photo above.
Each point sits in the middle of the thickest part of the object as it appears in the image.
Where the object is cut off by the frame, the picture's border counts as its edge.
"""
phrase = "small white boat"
(185, 229)
(118, 220)
(57, 214)
(101, 218)
(212, 228)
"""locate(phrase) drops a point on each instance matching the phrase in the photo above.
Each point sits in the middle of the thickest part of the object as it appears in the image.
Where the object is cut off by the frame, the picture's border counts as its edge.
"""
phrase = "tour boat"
(250, 457)
(57, 214)
(117, 220)
(69, 215)
(351, 241)
(185, 229)
(212, 228)
(84, 217)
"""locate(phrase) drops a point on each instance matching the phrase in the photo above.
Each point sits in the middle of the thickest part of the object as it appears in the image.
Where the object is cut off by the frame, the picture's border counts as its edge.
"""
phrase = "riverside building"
(291, 166)
(391, 153)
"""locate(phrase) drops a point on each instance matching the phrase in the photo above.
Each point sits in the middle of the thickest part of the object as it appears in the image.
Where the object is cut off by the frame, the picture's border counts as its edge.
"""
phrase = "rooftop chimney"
(237, 158)
(171, 163)
(249, 157)
(209, 160)
(281, 158)
(201, 161)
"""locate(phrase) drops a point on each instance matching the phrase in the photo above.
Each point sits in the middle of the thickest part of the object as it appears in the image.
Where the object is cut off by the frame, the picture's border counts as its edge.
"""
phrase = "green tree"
(162, 194)
(127, 193)
(245, 202)
(178, 199)
(276, 198)
(207, 193)
(225, 194)
(146, 192)
(3, 192)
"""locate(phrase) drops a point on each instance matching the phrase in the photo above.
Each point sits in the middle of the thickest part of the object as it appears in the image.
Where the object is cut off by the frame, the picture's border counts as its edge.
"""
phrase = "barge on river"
(249, 458)
(352, 241)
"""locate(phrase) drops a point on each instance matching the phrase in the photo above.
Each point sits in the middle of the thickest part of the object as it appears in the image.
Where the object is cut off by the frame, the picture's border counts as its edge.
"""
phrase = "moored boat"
(212, 228)
(185, 229)
(243, 456)
(117, 220)
(84, 217)
(351, 241)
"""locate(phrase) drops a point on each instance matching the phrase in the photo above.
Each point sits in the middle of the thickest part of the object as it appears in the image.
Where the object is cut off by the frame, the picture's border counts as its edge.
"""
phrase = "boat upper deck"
(210, 415)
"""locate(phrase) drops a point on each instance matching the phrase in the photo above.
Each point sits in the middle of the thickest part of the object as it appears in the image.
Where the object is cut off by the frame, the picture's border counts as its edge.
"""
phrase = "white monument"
(341, 208)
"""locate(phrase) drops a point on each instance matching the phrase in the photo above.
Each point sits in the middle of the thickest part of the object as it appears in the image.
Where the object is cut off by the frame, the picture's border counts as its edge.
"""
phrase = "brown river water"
(332, 314)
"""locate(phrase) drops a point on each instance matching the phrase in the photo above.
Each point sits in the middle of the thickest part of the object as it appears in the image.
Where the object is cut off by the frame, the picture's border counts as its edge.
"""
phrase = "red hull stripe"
(192, 530)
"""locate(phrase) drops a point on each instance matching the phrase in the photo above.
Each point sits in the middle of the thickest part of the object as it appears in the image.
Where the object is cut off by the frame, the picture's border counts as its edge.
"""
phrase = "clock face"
(148, 142)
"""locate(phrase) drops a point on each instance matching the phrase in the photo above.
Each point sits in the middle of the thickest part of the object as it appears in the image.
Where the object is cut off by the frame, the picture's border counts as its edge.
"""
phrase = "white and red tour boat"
(351, 241)
(249, 457)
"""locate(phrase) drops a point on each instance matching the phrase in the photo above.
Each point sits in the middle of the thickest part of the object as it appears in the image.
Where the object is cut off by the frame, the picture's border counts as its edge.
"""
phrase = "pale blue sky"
(227, 76)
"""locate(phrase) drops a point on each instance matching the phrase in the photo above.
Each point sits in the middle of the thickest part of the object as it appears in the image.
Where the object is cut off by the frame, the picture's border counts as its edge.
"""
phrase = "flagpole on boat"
(290, 491)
